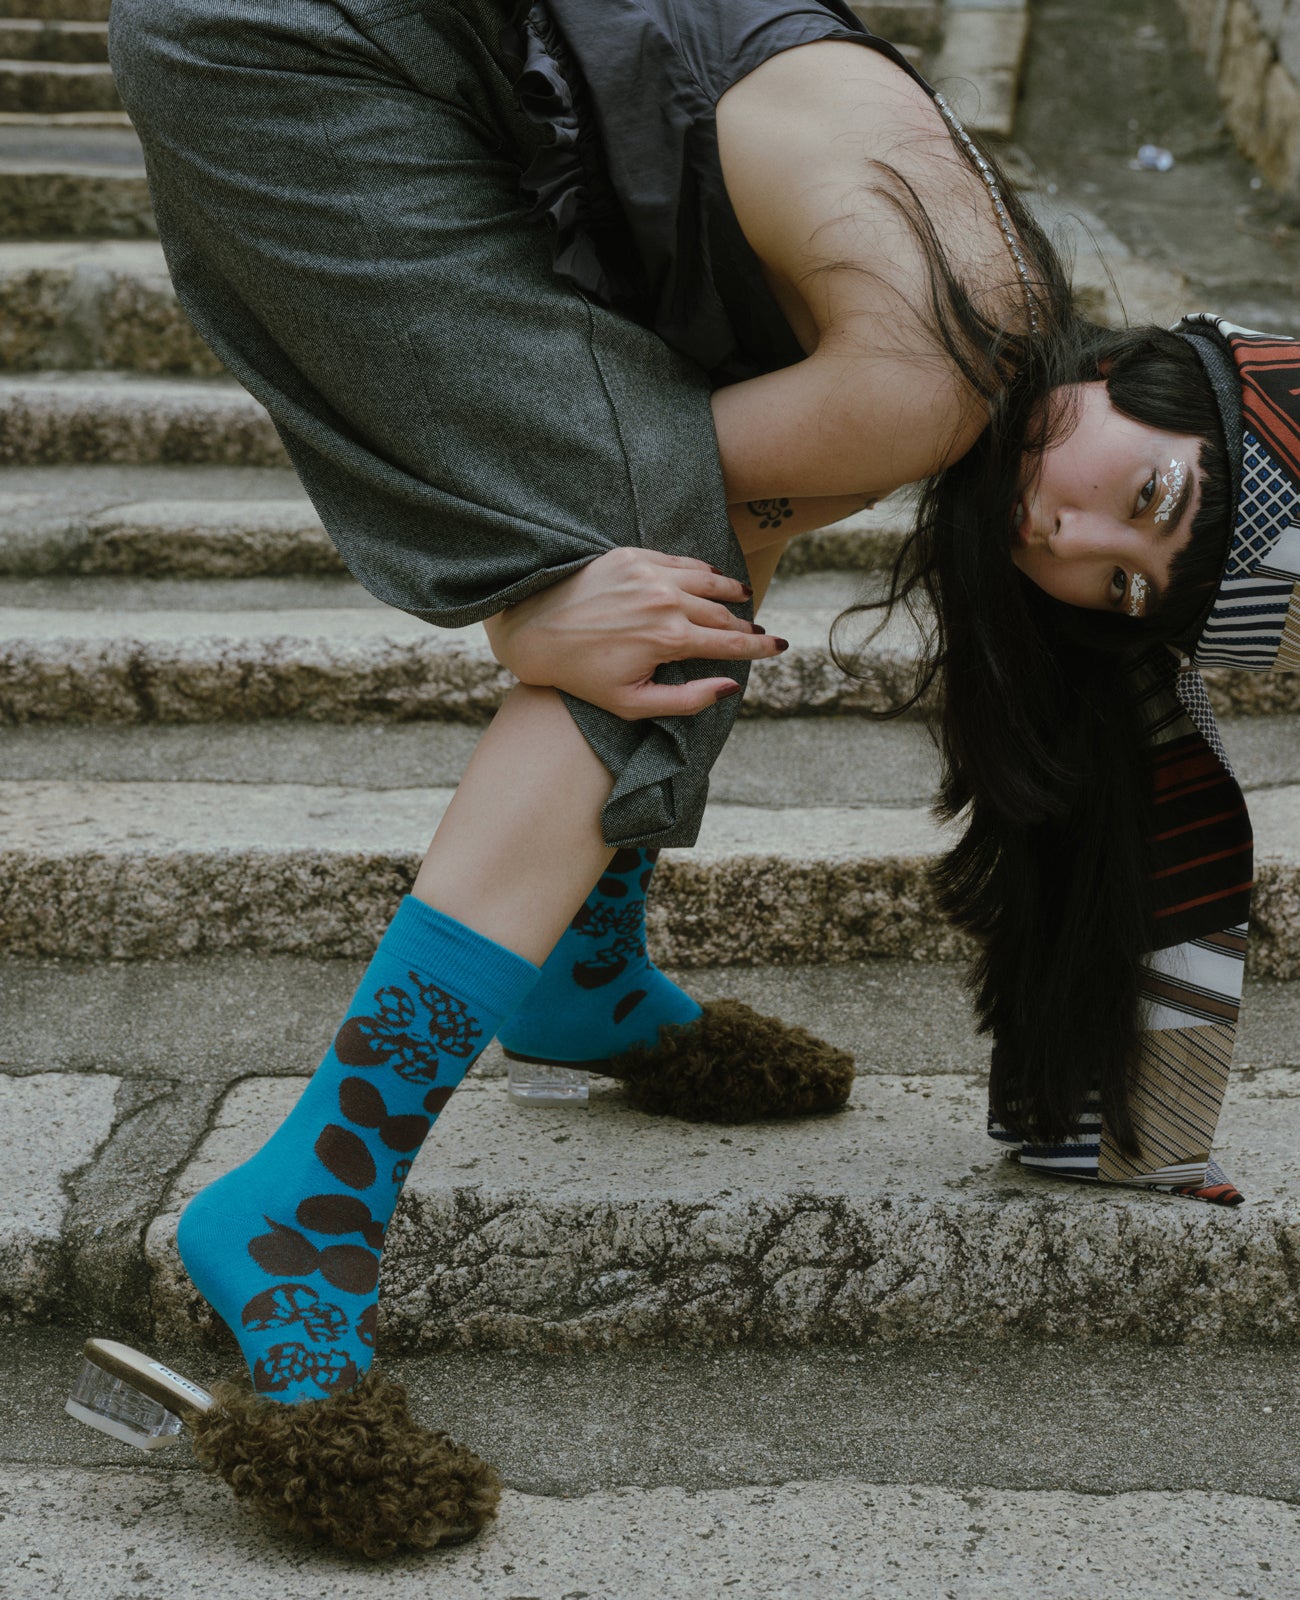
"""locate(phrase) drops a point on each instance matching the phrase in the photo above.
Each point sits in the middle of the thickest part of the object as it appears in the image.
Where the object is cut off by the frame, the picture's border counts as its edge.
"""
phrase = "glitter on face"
(1138, 589)
(1174, 481)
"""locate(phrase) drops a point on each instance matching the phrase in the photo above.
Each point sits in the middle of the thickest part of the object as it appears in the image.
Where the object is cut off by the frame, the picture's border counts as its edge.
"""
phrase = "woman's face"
(1107, 508)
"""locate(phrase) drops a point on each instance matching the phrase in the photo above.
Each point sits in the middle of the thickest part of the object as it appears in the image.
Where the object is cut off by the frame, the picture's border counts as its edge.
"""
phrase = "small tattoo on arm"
(770, 513)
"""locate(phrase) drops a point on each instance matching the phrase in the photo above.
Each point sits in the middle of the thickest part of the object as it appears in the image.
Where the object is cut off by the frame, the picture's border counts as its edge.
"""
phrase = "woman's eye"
(1118, 585)
(1148, 493)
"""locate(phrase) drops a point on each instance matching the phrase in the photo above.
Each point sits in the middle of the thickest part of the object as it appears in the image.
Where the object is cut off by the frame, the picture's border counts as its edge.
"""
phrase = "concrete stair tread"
(129, 869)
(66, 144)
(61, 817)
(33, 38)
(796, 761)
(63, 10)
(123, 1088)
(786, 761)
(599, 1227)
(926, 1413)
(235, 522)
(68, 818)
(850, 1536)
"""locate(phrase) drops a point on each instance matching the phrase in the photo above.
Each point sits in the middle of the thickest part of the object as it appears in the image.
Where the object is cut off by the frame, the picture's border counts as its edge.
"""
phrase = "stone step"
(800, 761)
(109, 417)
(843, 1537)
(113, 650)
(64, 10)
(118, 307)
(62, 178)
(127, 870)
(241, 523)
(109, 649)
(36, 39)
(125, 1087)
(82, 305)
(932, 1413)
(53, 86)
(38, 201)
(602, 1228)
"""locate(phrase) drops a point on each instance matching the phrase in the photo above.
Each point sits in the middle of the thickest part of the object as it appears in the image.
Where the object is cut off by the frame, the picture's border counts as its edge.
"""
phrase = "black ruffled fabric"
(566, 180)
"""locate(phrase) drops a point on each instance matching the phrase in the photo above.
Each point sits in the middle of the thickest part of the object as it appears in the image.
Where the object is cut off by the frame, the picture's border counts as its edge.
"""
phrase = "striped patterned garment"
(1202, 845)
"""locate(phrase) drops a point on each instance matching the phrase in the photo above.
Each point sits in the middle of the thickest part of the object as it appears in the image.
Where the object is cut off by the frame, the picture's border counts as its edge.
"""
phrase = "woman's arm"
(759, 524)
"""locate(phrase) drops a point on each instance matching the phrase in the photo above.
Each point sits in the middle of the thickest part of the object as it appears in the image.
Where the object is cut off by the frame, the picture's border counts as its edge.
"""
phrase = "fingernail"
(781, 644)
(757, 629)
(731, 688)
(719, 571)
(749, 593)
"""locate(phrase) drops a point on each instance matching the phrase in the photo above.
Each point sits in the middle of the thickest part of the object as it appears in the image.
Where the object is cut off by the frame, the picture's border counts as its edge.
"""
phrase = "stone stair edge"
(64, 10)
(364, 664)
(601, 1228)
(131, 870)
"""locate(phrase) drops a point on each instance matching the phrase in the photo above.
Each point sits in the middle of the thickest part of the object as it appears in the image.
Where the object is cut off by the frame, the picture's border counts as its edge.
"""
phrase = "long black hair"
(1045, 767)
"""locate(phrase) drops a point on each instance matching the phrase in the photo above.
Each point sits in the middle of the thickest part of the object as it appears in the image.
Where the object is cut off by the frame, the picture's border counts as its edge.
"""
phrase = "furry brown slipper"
(353, 1468)
(734, 1065)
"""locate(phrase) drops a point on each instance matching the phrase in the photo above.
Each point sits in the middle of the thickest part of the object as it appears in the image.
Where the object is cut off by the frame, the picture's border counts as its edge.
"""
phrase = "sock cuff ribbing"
(468, 964)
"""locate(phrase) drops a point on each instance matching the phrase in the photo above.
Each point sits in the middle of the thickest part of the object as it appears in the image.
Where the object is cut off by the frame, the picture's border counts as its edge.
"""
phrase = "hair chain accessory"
(999, 205)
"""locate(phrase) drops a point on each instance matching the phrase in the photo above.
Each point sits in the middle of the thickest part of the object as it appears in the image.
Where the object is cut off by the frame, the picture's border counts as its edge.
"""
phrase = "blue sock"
(599, 993)
(286, 1248)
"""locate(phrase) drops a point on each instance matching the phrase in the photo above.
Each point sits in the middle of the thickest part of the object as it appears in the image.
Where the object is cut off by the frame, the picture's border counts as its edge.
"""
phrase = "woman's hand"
(600, 634)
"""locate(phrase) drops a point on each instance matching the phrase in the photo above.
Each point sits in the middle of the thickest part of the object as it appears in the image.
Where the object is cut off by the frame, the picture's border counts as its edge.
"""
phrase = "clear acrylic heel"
(544, 1083)
(130, 1397)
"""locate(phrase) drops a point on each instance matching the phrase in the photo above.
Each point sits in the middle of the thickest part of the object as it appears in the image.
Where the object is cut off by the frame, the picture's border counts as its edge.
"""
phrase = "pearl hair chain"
(999, 205)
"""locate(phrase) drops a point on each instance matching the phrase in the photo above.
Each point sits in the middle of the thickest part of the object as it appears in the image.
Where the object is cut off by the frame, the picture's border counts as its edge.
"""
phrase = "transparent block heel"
(545, 1083)
(131, 1397)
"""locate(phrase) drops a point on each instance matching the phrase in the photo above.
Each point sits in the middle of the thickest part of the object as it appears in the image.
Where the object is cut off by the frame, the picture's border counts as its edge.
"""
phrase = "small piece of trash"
(1152, 158)
(1257, 183)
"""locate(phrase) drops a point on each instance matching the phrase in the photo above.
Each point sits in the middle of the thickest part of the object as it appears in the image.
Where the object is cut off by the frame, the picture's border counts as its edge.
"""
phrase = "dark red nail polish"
(730, 688)
(781, 644)
(719, 571)
(749, 593)
(757, 629)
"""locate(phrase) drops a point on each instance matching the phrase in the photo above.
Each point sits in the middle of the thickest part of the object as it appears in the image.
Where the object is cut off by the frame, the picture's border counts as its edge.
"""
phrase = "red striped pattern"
(1202, 845)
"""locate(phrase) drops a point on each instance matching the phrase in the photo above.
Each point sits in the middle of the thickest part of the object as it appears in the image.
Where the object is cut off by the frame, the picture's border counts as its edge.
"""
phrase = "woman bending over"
(547, 304)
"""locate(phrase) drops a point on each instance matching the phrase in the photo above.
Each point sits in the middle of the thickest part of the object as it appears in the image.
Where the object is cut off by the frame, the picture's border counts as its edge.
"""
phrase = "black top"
(625, 94)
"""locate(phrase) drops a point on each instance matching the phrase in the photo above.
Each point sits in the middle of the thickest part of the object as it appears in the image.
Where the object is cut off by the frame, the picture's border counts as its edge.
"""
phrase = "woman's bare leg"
(520, 845)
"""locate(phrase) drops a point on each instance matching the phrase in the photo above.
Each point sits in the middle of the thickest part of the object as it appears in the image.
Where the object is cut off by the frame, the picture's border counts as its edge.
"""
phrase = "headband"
(1253, 621)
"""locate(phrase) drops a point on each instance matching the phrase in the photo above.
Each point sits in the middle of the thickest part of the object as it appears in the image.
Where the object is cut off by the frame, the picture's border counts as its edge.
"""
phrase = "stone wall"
(1252, 51)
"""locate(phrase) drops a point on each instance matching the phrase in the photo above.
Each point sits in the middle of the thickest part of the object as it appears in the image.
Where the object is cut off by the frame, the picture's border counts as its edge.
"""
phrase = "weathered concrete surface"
(206, 1021)
(111, 417)
(84, 305)
(46, 86)
(814, 761)
(104, 649)
(131, 870)
(978, 64)
(134, 869)
(838, 1541)
(67, 10)
(1137, 1417)
(207, 528)
(168, 651)
(33, 39)
(53, 1124)
(1102, 79)
(895, 1219)
(81, 200)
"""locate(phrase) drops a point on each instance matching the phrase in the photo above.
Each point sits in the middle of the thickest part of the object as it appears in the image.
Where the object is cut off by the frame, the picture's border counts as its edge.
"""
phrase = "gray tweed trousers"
(336, 188)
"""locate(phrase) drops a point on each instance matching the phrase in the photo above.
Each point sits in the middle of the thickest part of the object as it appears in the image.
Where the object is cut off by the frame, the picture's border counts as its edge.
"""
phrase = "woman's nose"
(1084, 536)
